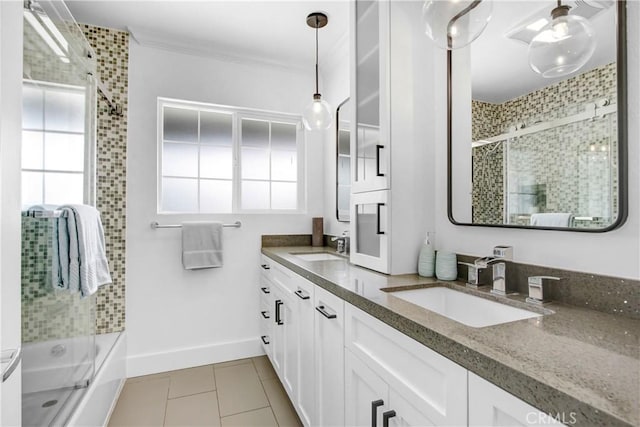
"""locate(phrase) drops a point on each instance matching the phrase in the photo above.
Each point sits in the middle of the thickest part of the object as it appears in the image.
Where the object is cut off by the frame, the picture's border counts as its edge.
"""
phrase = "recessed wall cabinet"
(342, 367)
(388, 148)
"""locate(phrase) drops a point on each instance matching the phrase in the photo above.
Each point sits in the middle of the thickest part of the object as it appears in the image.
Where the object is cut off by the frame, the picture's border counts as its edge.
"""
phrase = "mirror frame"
(623, 158)
(338, 157)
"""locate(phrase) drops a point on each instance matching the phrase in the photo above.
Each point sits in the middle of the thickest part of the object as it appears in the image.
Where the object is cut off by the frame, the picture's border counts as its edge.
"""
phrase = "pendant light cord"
(317, 25)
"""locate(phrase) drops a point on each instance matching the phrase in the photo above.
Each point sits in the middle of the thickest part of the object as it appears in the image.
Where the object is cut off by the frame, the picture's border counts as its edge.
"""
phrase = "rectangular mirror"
(528, 151)
(343, 161)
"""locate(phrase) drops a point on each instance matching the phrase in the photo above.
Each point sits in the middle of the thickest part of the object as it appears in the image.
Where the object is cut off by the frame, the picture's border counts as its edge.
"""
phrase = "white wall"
(10, 136)
(335, 90)
(616, 253)
(177, 318)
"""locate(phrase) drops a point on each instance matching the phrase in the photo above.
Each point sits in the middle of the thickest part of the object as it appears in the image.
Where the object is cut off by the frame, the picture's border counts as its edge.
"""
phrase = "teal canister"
(427, 257)
(446, 265)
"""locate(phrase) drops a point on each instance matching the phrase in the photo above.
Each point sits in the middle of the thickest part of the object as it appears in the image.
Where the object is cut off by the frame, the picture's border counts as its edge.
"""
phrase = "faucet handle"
(536, 288)
(473, 276)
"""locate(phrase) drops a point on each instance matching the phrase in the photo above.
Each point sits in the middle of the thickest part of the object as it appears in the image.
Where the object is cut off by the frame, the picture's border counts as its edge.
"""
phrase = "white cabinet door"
(370, 127)
(289, 325)
(489, 405)
(366, 394)
(329, 361)
(407, 411)
(370, 230)
(426, 381)
(284, 337)
(305, 313)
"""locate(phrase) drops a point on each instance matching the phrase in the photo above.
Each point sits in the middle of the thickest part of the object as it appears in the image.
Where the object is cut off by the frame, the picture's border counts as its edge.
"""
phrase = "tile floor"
(240, 393)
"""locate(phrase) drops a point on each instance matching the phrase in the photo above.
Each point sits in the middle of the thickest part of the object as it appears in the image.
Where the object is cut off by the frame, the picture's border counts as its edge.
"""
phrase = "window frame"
(237, 115)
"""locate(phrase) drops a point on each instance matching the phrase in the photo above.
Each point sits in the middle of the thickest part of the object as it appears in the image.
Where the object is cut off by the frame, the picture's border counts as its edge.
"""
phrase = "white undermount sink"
(319, 256)
(464, 308)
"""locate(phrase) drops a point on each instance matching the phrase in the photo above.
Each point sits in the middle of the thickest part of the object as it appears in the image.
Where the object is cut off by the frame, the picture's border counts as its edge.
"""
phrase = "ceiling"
(500, 67)
(267, 31)
(275, 32)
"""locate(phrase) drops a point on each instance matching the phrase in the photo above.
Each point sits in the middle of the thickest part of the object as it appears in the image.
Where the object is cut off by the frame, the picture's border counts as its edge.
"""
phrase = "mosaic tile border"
(112, 51)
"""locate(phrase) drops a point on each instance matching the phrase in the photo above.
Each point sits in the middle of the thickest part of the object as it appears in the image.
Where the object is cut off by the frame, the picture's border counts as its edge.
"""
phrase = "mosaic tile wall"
(49, 314)
(544, 160)
(488, 184)
(112, 50)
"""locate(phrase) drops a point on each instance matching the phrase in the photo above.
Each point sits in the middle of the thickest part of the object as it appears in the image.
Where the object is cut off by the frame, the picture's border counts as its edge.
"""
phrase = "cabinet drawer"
(265, 264)
(265, 316)
(282, 276)
(424, 378)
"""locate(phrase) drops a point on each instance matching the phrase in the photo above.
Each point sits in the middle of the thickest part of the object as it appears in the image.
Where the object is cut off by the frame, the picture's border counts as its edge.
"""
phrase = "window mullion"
(270, 163)
(198, 165)
(236, 186)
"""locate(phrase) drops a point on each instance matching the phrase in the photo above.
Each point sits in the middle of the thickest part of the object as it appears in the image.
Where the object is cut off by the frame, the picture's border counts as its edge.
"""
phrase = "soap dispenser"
(427, 258)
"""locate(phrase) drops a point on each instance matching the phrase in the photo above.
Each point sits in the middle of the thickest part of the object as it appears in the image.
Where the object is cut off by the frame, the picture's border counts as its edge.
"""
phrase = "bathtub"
(58, 385)
(57, 364)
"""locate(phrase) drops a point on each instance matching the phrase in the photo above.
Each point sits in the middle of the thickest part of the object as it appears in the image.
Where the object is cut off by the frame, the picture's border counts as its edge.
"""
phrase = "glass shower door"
(58, 168)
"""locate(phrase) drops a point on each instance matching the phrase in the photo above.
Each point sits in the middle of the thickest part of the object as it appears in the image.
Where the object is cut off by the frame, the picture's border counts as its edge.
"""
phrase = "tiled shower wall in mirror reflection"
(545, 159)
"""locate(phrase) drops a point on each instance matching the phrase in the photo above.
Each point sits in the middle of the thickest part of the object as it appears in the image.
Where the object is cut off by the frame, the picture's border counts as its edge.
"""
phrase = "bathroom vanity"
(350, 352)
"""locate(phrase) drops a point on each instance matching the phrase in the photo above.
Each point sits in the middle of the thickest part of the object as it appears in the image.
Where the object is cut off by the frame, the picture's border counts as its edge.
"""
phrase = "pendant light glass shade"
(562, 46)
(453, 24)
(317, 115)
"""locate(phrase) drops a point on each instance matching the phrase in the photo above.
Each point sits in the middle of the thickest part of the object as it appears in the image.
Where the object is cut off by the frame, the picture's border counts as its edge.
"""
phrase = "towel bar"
(44, 214)
(155, 225)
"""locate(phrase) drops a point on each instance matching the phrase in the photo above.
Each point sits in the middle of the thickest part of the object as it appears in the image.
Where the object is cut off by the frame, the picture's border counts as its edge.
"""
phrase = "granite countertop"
(571, 360)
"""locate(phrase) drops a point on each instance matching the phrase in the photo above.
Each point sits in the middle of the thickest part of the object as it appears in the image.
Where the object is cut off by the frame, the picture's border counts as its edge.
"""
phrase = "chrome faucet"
(473, 274)
(499, 267)
(536, 289)
(343, 242)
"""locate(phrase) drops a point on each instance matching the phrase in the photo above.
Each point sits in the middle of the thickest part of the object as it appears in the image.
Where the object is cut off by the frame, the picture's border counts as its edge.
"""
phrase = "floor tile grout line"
(191, 394)
(215, 381)
(248, 410)
(166, 404)
(268, 400)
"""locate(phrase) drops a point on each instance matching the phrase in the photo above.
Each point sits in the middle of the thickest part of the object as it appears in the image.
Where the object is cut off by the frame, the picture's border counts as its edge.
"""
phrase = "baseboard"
(152, 363)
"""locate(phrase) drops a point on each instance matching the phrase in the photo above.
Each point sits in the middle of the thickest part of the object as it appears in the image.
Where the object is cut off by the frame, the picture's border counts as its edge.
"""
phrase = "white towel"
(556, 219)
(201, 245)
(86, 267)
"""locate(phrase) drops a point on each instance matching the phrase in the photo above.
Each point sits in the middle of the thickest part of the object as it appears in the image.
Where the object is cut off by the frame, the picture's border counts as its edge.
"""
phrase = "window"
(53, 145)
(216, 159)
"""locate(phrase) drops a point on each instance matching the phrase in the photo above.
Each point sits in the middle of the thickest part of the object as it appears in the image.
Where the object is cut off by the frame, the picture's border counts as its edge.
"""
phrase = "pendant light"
(453, 24)
(317, 115)
(563, 46)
